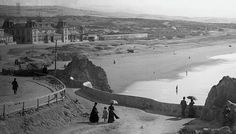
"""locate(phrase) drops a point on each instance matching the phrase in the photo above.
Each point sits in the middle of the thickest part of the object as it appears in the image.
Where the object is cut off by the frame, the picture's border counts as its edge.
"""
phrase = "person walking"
(94, 118)
(176, 89)
(111, 115)
(191, 109)
(105, 114)
(14, 86)
(183, 106)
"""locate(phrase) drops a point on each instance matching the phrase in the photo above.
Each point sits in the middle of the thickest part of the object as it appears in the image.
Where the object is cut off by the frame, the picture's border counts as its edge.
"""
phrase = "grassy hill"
(43, 11)
(160, 27)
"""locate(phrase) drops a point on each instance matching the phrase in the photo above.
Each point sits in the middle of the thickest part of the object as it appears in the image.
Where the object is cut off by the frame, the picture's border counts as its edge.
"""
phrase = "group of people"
(108, 116)
(191, 111)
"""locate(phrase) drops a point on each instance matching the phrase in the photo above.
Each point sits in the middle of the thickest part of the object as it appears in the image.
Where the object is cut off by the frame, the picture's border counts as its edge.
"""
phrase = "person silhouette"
(94, 118)
(191, 109)
(111, 115)
(14, 86)
(183, 106)
(176, 89)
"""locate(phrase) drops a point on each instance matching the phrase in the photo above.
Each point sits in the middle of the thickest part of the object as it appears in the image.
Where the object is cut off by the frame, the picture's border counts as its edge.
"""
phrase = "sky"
(187, 8)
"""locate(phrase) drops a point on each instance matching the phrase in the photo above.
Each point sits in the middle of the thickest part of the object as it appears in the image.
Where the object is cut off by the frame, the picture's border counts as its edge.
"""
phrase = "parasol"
(192, 97)
(114, 102)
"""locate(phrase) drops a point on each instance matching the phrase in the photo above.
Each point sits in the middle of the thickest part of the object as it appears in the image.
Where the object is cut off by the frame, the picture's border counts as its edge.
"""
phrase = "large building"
(5, 38)
(39, 31)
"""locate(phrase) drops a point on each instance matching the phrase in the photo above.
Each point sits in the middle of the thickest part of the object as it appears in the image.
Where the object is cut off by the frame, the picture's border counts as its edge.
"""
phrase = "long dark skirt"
(191, 112)
(112, 116)
(94, 116)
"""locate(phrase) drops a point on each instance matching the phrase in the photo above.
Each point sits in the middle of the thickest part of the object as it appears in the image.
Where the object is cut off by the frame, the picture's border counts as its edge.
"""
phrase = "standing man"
(183, 106)
(14, 85)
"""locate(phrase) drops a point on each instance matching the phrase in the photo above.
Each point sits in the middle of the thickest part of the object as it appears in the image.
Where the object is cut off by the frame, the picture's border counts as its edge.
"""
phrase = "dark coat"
(14, 85)
(112, 115)
(191, 110)
(183, 104)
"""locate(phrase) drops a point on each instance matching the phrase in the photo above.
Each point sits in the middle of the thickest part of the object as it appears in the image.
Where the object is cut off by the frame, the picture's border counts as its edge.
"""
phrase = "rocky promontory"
(81, 69)
(217, 98)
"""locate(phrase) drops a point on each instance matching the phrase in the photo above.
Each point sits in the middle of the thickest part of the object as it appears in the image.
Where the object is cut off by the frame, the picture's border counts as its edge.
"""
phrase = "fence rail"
(22, 105)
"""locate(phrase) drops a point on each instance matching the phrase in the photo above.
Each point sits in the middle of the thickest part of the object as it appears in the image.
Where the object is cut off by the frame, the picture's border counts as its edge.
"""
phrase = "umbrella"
(192, 97)
(114, 102)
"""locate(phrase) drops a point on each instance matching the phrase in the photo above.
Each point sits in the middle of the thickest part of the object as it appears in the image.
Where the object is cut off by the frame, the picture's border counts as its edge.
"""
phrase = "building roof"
(73, 32)
(19, 25)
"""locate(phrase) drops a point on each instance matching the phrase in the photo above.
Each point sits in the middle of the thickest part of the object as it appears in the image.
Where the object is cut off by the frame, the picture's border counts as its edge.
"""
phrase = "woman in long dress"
(94, 114)
(191, 109)
(112, 115)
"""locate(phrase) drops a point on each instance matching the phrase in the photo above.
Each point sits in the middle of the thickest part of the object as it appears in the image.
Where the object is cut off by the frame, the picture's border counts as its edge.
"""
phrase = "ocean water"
(196, 82)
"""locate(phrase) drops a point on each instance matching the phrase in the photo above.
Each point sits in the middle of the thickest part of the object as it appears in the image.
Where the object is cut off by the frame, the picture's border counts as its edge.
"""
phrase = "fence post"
(23, 108)
(64, 95)
(4, 111)
(48, 99)
(37, 103)
(56, 97)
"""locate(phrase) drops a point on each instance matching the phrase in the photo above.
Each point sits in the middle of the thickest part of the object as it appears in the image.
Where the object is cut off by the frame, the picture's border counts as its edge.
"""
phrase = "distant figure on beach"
(105, 114)
(183, 106)
(189, 57)
(186, 73)
(14, 86)
(94, 114)
(112, 115)
(114, 62)
(191, 109)
(176, 89)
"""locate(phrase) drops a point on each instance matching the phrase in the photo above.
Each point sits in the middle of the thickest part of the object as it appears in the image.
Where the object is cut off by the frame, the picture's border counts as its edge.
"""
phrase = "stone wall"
(148, 105)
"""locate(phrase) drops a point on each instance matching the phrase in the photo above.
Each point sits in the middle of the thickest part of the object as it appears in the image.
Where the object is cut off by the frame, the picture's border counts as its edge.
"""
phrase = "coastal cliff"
(217, 98)
(82, 70)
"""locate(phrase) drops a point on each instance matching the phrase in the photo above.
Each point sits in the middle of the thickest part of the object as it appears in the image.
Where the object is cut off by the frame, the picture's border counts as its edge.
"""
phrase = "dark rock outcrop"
(217, 98)
(82, 70)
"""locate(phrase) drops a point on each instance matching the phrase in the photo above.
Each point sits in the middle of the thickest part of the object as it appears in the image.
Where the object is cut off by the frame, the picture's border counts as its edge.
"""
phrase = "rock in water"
(83, 70)
(217, 98)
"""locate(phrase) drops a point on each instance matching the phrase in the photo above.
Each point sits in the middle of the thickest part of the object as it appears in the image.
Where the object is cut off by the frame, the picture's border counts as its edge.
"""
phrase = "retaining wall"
(146, 104)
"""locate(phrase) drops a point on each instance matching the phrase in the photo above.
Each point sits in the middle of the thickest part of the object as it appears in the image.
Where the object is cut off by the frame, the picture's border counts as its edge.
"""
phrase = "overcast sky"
(189, 8)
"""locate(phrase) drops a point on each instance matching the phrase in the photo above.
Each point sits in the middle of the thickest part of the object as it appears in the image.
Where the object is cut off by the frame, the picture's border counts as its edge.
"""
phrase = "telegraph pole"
(55, 62)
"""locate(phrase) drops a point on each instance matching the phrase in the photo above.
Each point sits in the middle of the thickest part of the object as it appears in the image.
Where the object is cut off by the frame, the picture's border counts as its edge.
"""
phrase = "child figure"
(105, 114)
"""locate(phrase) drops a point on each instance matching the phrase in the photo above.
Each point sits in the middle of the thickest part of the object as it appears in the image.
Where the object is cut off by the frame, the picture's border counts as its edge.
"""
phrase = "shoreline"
(124, 74)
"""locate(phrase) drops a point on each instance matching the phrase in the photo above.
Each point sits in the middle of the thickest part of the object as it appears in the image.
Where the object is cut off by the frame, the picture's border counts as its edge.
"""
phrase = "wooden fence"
(22, 105)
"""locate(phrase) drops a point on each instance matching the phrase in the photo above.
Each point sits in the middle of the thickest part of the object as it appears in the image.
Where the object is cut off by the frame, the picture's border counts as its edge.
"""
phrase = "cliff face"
(217, 98)
(82, 70)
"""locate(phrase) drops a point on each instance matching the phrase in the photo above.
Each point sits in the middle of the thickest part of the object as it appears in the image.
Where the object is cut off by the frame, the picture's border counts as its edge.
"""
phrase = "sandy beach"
(162, 62)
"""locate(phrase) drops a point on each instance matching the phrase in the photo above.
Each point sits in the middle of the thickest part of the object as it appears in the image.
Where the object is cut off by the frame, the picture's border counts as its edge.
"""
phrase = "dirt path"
(132, 121)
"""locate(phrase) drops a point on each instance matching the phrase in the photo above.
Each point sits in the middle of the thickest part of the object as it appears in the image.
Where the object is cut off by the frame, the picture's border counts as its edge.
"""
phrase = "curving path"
(31, 93)
(132, 121)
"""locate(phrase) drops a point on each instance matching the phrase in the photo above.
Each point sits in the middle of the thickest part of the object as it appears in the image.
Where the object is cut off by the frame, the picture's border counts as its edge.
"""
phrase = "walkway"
(29, 93)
